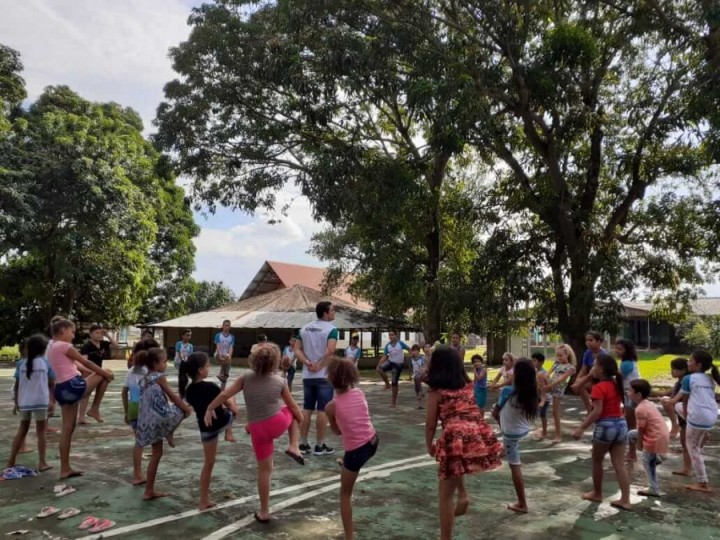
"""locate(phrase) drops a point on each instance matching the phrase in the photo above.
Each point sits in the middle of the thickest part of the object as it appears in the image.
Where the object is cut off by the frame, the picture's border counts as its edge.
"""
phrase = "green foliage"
(702, 333)
(207, 295)
(96, 223)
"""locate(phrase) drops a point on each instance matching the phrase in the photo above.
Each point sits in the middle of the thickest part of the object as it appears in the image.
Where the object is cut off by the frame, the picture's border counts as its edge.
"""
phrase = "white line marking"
(244, 522)
(243, 500)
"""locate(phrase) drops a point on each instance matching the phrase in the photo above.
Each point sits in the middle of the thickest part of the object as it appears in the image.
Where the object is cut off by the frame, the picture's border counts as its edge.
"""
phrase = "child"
(583, 383)
(515, 411)
(199, 394)
(678, 369)
(544, 397)
(480, 383)
(271, 411)
(131, 401)
(562, 370)
(183, 349)
(349, 417)
(354, 352)
(289, 362)
(157, 419)
(506, 372)
(625, 350)
(33, 379)
(699, 409)
(71, 387)
(418, 372)
(466, 445)
(610, 429)
(652, 436)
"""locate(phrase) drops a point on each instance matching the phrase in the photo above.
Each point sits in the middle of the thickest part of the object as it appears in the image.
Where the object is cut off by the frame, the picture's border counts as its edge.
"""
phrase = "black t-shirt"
(96, 354)
(199, 395)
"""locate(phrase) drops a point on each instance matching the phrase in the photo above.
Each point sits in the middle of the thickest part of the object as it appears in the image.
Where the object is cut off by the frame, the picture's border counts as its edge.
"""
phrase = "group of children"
(618, 411)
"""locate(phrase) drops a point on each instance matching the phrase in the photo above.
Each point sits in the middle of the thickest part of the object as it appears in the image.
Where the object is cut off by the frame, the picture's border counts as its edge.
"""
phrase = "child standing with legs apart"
(466, 445)
(70, 387)
(271, 411)
(515, 411)
(157, 419)
(699, 409)
(480, 383)
(627, 354)
(33, 379)
(419, 368)
(611, 430)
(349, 417)
(651, 436)
(199, 395)
(560, 374)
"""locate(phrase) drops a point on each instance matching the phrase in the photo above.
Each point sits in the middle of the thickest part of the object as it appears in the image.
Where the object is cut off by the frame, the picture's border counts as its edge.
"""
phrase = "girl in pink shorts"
(271, 411)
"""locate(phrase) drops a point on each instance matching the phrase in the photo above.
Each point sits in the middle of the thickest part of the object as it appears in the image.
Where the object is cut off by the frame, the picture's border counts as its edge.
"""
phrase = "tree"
(336, 98)
(586, 107)
(207, 295)
(702, 333)
(104, 221)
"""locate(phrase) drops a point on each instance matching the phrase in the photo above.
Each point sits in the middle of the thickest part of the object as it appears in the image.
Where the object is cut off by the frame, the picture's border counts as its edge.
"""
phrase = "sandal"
(48, 511)
(59, 487)
(261, 520)
(70, 512)
(67, 491)
(297, 457)
(102, 525)
(88, 522)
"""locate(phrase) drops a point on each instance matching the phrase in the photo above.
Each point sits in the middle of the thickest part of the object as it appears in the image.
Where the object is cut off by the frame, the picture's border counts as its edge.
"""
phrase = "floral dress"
(157, 418)
(467, 443)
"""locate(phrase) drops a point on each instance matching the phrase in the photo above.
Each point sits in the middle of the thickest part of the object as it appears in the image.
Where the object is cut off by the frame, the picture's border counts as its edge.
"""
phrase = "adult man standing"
(224, 344)
(393, 360)
(314, 347)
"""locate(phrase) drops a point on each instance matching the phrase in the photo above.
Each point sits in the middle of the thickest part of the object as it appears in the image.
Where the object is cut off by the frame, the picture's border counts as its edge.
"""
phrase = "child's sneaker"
(305, 448)
(323, 450)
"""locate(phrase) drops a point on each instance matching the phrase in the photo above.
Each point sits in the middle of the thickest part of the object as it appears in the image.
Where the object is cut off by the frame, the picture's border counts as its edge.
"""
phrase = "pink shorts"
(264, 432)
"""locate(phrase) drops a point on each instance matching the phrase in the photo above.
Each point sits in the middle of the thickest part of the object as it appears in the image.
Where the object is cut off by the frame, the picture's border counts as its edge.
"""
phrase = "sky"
(109, 50)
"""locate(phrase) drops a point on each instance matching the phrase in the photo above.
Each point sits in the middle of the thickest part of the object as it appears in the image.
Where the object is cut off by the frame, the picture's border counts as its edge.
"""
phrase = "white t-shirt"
(395, 352)
(33, 393)
(702, 407)
(513, 422)
(353, 353)
(315, 337)
(290, 353)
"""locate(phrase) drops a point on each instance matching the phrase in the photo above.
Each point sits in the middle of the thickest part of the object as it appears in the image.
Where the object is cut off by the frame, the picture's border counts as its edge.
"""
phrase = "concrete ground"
(394, 499)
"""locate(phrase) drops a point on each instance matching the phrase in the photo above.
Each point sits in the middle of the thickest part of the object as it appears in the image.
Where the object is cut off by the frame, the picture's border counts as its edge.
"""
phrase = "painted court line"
(242, 500)
(234, 527)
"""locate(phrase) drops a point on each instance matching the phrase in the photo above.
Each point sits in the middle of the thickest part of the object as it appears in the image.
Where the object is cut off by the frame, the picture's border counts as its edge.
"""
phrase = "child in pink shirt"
(349, 417)
(71, 387)
(652, 435)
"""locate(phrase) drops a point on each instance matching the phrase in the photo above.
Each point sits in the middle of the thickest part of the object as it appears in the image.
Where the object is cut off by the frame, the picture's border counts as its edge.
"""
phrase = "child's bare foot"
(387, 386)
(171, 440)
(96, 416)
(700, 487)
(541, 437)
(49, 429)
(622, 505)
(557, 440)
(631, 457)
(461, 507)
(205, 505)
(592, 496)
(647, 493)
(674, 432)
(229, 437)
(70, 474)
(515, 507)
(150, 495)
(683, 472)
(44, 467)
(82, 421)
(25, 450)
(139, 481)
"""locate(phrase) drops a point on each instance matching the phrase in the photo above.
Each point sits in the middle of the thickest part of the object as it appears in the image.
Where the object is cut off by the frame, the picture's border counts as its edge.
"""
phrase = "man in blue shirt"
(224, 344)
(584, 382)
(393, 360)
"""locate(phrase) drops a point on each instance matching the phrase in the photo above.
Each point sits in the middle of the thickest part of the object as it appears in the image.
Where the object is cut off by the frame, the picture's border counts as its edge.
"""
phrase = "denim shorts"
(544, 409)
(396, 369)
(70, 392)
(610, 430)
(354, 460)
(512, 449)
(316, 394)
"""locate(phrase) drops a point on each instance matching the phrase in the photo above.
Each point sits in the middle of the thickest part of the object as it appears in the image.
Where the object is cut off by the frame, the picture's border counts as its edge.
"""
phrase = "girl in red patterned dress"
(466, 445)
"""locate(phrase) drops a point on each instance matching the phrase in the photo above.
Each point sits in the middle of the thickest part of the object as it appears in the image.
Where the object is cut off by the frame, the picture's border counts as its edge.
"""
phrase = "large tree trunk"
(577, 310)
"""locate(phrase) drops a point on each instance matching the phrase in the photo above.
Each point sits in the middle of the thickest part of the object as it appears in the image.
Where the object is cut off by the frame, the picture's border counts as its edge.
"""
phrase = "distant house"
(279, 300)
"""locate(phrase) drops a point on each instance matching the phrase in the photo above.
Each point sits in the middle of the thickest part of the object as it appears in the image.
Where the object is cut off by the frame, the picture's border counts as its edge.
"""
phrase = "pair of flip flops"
(51, 511)
(61, 490)
(94, 524)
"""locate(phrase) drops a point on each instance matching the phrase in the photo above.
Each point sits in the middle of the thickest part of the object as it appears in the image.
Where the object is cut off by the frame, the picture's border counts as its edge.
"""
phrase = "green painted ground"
(396, 498)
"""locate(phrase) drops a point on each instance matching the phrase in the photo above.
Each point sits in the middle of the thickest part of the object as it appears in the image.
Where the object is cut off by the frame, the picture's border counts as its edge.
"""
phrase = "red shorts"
(264, 432)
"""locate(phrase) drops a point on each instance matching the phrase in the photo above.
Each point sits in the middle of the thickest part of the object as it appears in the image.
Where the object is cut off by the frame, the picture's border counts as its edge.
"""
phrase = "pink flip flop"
(102, 525)
(90, 521)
